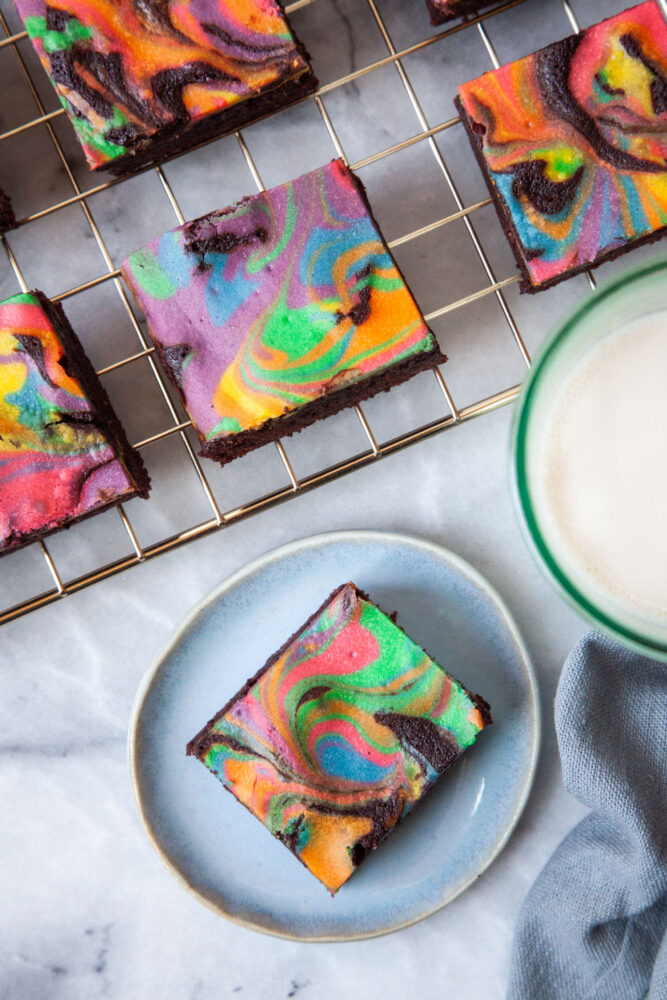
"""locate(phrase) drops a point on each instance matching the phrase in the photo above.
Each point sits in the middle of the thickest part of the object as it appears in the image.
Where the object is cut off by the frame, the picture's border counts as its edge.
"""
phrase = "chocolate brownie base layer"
(199, 744)
(242, 442)
(181, 137)
(7, 219)
(526, 284)
(77, 365)
(439, 16)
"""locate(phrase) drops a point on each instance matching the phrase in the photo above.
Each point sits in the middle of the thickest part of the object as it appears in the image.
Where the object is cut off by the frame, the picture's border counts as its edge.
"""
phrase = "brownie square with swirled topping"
(340, 734)
(279, 311)
(141, 79)
(573, 144)
(63, 453)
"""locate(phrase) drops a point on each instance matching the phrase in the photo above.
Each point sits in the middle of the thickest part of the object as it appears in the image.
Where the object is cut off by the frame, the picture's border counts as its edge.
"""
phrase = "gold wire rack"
(294, 485)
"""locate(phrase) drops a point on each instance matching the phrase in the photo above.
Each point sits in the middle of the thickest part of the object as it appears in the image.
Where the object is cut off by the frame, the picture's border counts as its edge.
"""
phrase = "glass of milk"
(590, 456)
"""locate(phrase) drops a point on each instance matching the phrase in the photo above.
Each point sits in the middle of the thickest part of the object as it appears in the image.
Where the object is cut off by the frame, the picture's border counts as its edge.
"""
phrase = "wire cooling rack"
(50, 570)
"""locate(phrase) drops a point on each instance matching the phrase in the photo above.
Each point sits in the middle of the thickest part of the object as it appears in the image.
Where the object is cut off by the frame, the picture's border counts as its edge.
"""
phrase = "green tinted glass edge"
(519, 437)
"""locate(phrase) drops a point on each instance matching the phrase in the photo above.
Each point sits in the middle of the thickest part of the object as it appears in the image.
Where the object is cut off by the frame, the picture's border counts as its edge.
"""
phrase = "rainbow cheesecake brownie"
(7, 219)
(573, 144)
(63, 454)
(340, 734)
(279, 311)
(141, 79)
(445, 10)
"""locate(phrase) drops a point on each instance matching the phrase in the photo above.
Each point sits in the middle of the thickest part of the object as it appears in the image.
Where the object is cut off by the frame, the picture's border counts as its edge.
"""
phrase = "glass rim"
(581, 601)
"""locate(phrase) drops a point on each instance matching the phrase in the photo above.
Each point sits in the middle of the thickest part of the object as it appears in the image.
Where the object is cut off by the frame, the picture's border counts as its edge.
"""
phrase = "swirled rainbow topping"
(125, 70)
(574, 139)
(271, 304)
(58, 460)
(340, 735)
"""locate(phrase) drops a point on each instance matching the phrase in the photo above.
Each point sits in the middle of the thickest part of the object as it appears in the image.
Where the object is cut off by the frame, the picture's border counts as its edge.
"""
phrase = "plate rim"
(246, 572)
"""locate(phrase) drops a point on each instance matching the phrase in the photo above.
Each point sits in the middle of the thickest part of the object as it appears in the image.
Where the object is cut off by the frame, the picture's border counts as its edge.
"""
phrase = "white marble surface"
(87, 909)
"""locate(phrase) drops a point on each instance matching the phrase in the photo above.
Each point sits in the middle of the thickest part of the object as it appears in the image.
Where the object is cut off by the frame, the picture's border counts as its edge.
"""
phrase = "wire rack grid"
(59, 583)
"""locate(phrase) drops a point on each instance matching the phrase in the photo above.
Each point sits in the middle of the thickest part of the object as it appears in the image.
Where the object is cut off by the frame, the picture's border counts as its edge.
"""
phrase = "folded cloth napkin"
(594, 925)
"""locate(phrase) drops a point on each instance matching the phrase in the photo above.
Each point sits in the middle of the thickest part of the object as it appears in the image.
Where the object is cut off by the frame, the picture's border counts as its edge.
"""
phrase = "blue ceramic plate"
(226, 857)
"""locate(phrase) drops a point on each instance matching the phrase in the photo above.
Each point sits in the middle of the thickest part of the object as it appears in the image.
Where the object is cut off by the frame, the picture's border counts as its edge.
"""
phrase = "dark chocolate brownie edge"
(499, 205)
(7, 217)
(183, 137)
(602, 258)
(439, 16)
(15, 540)
(194, 745)
(238, 444)
(526, 285)
(78, 365)
(300, 47)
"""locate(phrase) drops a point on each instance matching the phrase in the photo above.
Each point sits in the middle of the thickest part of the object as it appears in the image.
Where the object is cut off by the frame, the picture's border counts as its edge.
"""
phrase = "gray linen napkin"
(594, 925)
